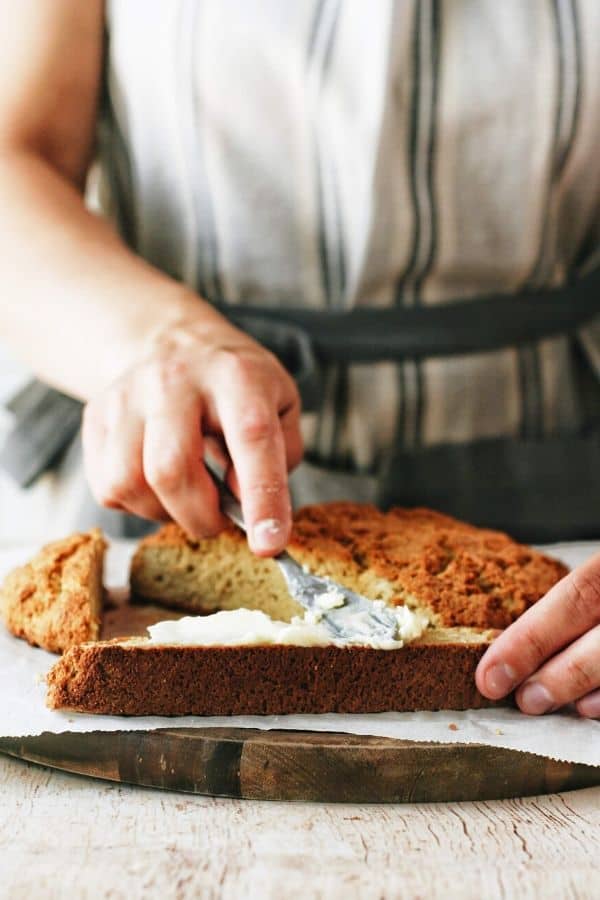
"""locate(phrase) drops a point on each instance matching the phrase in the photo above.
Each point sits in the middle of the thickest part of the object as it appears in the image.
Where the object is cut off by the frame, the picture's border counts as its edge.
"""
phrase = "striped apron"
(424, 177)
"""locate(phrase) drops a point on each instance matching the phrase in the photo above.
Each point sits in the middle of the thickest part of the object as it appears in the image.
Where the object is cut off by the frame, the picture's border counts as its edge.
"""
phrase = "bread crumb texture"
(136, 678)
(55, 600)
(457, 574)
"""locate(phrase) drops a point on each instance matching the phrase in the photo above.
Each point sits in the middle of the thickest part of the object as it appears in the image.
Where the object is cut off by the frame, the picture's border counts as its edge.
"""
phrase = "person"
(382, 196)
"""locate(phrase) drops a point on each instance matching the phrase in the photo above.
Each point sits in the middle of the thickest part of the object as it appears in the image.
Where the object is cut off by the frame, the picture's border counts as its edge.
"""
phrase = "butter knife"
(347, 615)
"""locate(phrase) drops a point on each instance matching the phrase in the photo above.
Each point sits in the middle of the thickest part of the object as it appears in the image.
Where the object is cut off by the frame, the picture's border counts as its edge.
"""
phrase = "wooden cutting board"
(309, 766)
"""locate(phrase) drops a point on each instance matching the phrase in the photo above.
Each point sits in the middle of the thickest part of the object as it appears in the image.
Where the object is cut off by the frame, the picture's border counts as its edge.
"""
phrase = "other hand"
(551, 654)
(205, 386)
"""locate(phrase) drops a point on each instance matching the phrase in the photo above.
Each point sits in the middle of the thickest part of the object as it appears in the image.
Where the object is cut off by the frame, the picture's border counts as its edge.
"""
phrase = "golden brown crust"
(54, 601)
(140, 679)
(458, 574)
(464, 575)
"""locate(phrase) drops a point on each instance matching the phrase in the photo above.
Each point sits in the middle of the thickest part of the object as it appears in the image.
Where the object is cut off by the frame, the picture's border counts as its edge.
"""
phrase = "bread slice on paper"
(55, 600)
(137, 678)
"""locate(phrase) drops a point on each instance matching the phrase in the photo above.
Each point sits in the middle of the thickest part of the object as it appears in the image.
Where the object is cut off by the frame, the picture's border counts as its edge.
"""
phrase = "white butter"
(330, 599)
(247, 627)
(238, 626)
(409, 627)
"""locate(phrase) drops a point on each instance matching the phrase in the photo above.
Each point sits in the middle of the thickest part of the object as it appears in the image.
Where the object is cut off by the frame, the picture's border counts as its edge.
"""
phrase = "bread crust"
(137, 679)
(459, 575)
(55, 600)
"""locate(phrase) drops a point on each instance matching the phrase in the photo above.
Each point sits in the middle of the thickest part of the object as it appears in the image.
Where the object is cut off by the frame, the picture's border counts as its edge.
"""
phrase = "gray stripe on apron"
(332, 264)
(434, 64)
(402, 292)
(206, 278)
(568, 68)
(426, 44)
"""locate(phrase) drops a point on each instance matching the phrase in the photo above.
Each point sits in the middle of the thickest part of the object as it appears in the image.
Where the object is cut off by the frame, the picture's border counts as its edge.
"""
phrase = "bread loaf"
(458, 575)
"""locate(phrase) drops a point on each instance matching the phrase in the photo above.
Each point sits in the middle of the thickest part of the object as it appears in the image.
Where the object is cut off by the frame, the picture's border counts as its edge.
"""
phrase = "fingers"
(589, 706)
(112, 440)
(571, 608)
(257, 449)
(292, 437)
(567, 677)
(255, 442)
(173, 460)
(145, 447)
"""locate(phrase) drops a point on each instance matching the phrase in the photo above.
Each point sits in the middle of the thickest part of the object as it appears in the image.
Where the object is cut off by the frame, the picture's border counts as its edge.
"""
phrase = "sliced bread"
(137, 678)
(456, 574)
(55, 600)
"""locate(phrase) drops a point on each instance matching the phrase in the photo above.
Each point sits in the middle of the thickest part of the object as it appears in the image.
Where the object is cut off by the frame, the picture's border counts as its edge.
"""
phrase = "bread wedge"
(137, 678)
(454, 573)
(55, 600)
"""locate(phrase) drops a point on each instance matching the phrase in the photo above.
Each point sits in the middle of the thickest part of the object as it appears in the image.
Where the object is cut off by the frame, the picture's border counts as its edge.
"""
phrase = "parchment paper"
(561, 736)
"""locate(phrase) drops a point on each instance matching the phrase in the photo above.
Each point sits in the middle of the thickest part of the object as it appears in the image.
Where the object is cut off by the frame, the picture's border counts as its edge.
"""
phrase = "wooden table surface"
(68, 836)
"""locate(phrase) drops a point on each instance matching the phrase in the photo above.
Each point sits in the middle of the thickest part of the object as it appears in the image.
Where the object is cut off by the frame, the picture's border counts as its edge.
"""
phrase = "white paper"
(22, 711)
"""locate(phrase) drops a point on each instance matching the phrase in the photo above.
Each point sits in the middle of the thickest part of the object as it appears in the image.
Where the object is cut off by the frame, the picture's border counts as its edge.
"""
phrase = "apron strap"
(306, 339)
(369, 335)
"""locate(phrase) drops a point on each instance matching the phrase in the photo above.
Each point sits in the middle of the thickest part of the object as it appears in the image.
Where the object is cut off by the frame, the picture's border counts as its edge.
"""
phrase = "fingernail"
(590, 706)
(499, 680)
(535, 699)
(267, 534)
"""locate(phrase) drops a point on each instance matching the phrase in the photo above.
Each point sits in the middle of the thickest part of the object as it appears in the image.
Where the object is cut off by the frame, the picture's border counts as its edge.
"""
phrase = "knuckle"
(538, 647)
(267, 488)
(238, 367)
(164, 374)
(121, 488)
(171, 370)
(167, 470)
(256, 424)
(577, 677)
(583, 597)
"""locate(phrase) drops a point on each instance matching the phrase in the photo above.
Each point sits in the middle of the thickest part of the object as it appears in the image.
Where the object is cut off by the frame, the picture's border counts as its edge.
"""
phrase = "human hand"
(205, 386)
(551, 654)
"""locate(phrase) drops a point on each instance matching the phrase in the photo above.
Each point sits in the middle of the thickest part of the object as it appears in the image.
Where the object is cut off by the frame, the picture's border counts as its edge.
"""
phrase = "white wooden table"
(67, 836)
